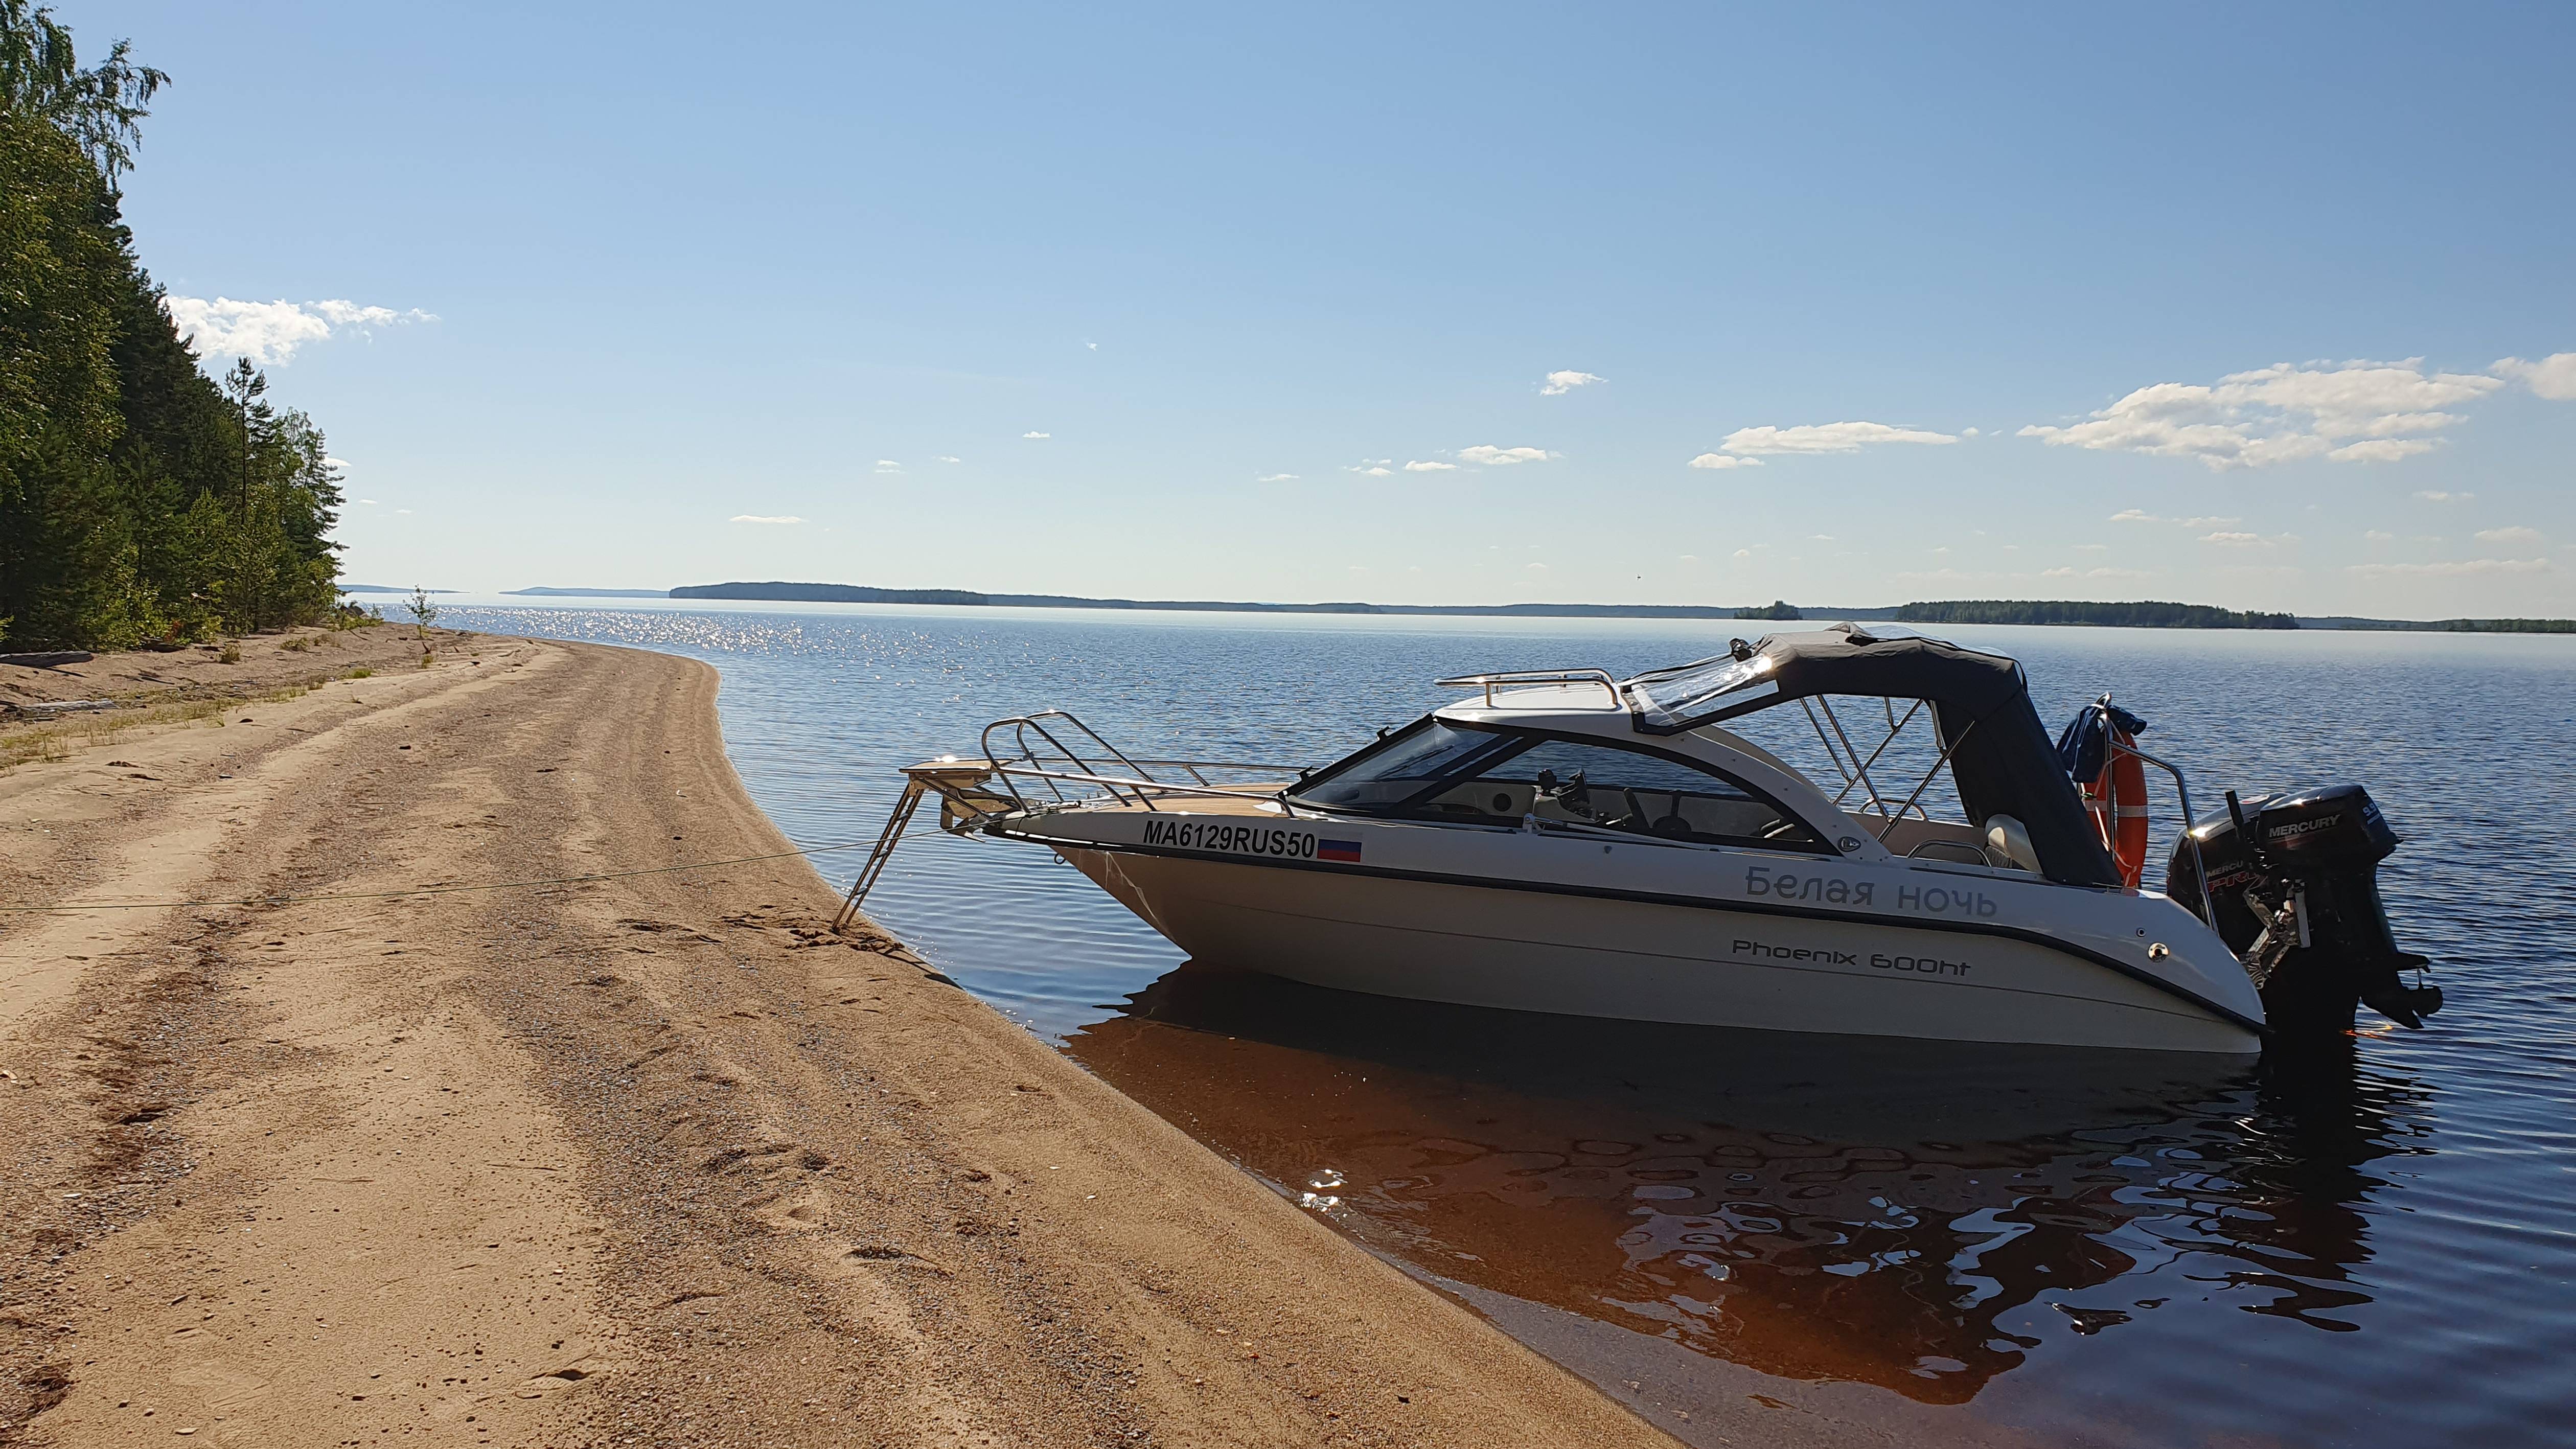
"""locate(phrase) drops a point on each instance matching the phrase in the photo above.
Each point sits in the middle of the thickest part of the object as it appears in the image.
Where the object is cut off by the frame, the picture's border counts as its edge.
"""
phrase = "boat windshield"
(1401, 766)
(1667, 697)
(1439, 771)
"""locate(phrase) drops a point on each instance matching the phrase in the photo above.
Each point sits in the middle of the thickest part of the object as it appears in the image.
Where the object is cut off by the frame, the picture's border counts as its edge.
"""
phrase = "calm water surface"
(2374, 1247)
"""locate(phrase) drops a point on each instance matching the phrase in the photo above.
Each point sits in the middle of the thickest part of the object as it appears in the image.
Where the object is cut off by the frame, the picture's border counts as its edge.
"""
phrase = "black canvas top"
(2001, 756)
(1845, 659)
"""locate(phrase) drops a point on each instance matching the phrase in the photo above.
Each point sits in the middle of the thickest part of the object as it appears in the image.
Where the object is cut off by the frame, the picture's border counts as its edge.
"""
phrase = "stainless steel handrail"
(1919, 812)
(2199, 867)
(956, 780)
(1020, 725)
(1139, 786)
(1142, 787)
(1486, 682)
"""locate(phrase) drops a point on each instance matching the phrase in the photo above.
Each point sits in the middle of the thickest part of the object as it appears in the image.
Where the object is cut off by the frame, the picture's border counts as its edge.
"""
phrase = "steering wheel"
(1670, 825)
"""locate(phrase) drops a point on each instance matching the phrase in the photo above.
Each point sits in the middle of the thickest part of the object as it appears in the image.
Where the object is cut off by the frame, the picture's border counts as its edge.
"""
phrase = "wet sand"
(647, 1160)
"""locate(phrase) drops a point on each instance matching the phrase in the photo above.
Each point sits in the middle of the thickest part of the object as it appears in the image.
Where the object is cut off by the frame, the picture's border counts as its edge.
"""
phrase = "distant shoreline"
(2138, 615)
(2118, 615)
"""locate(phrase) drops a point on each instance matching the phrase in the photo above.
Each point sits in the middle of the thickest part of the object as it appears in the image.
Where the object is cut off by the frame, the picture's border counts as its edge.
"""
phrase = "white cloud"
(1498, 457)
(1426, 467)
(888, 465)
(1276, 478)
(1824, 438)
(2512, 537)
(1967, 432)
(950, 458)
(269, 333)
(1722, 460)
(1374, 470)
(2377, 535)
(764, 518)
(1094, 346)
(2454, 568)
(1558, 384)
(1536, 568)
(2552, 377)
(402, 510)
(2440, 495)
(369, 502)
(2060, 573)
(2207, 520)
(2237, 540)
(2383, 450)
(1037, 435)
(2360, 412)
(2092, 548)
(1744, 553)
(2098, 573)
(350, 314)
(1688, 558)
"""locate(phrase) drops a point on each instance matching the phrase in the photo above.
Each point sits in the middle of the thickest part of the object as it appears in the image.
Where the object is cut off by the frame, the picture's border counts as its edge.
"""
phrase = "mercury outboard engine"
(2294, 879)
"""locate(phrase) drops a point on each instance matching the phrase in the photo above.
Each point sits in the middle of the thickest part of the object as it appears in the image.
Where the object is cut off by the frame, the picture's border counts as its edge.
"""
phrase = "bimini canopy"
(1999, 753)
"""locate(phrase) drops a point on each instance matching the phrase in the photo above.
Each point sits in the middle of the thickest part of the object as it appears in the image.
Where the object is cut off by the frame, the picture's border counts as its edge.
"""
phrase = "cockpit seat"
(2008, 843)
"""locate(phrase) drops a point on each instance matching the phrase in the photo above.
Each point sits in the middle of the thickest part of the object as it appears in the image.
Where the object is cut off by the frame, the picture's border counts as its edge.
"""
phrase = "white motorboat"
(1569, 842)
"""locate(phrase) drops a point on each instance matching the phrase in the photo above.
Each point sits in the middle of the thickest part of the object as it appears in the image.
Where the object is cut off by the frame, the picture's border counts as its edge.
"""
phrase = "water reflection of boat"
(1819, 1209)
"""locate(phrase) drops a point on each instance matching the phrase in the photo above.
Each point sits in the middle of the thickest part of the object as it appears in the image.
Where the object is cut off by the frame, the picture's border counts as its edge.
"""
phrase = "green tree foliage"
(2510, 626)
(1777, 609)
(97, 108)
(137, 501)
(2066, 611)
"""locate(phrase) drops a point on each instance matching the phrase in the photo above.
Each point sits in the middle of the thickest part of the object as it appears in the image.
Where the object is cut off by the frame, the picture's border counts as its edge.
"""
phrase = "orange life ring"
(2118, 801)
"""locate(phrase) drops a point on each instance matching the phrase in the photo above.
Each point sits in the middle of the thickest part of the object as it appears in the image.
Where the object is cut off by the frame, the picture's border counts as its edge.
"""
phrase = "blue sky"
(2262, 307)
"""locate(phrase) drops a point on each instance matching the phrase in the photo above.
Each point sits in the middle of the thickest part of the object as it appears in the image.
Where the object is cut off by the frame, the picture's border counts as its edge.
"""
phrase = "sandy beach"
(653, 1159)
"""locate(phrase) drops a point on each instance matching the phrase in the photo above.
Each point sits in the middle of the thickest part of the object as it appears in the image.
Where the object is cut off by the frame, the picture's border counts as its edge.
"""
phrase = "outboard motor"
(2294, 880)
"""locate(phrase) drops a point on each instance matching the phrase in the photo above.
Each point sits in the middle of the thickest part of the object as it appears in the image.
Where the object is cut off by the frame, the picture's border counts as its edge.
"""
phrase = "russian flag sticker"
(1337, 850)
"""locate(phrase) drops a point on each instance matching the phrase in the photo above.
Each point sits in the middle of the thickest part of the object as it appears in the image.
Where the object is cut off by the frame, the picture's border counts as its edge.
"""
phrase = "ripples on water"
(2373, 1248)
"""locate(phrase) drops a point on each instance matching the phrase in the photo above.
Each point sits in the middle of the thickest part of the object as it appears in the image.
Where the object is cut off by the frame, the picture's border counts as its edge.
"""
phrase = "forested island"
(862, 594)
(140, 499)
(1957, 611)
(2073, 611)
(2507, 626)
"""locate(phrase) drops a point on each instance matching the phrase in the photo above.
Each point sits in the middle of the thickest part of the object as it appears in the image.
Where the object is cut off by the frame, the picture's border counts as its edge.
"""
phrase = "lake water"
(1934, 1244)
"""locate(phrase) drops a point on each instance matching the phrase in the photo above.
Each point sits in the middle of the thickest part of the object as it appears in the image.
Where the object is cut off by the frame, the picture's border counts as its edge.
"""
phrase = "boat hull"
(1586, 955)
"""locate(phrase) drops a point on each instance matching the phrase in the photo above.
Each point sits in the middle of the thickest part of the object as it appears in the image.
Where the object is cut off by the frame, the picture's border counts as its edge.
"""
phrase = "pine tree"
(137, 499)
